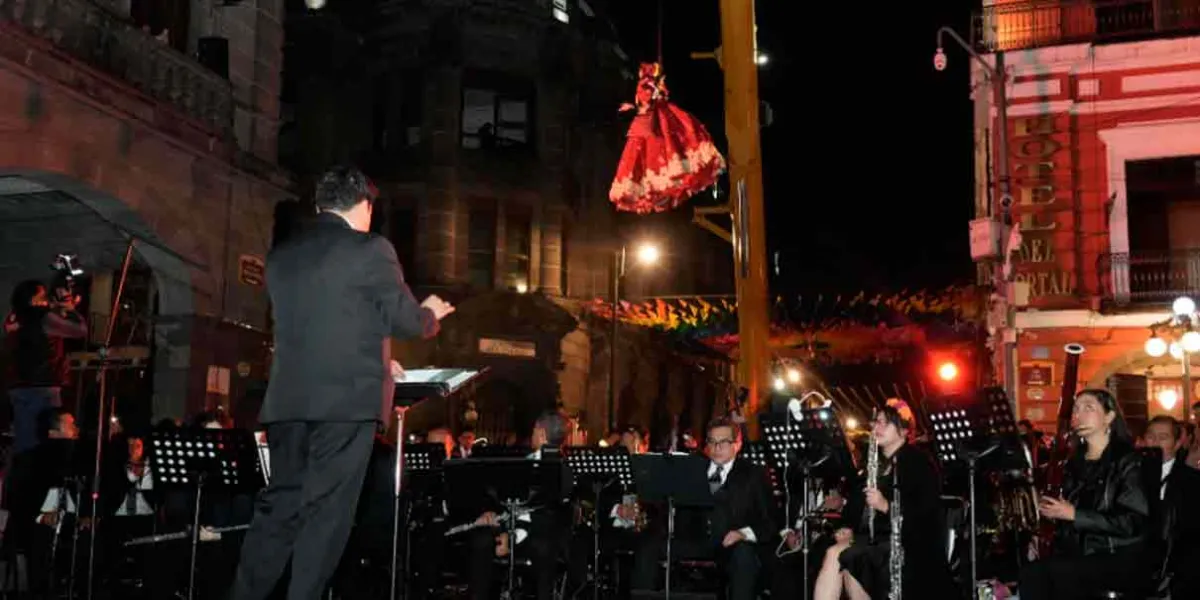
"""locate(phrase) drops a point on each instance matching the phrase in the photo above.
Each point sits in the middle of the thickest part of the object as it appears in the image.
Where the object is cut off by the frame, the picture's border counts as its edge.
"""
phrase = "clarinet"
(872, 477)
(896, 559)
(469, 526)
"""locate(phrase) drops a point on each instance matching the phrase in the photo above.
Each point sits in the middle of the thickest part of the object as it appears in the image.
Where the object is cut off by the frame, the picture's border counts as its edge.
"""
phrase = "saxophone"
(872, 477)
(896, 560)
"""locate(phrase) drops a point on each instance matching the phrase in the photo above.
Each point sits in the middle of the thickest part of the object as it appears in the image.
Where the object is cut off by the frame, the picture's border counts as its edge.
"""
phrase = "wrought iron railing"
(102, 40)
(1150, 277)
(1026, 24)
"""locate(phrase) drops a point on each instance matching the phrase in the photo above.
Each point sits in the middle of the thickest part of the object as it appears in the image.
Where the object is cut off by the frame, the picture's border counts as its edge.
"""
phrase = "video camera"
(66, 269)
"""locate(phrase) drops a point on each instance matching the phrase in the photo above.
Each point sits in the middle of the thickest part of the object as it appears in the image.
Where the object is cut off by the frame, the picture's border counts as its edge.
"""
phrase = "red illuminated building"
(1103, 124)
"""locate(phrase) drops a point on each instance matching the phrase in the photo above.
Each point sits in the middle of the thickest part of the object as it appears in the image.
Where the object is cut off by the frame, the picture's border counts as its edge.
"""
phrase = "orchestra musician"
(542, 536)
(1101, 518)
(858, 566)
(741, 530)
(338, 296)
(1173, 491)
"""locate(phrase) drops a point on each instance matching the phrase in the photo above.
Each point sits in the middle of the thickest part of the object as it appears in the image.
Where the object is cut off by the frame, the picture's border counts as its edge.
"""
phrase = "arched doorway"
(45, 214)
(1147, 386)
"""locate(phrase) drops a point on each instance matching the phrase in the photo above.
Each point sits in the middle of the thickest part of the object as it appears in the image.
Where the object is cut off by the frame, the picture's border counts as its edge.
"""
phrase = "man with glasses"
(739, 531)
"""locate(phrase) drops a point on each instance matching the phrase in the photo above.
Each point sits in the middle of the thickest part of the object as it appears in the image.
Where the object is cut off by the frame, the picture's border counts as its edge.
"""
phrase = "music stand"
(970, 429)
(596, 469)
(414, 387)
(477, 485)
(199, 458)
(678, 480)
(423, 464)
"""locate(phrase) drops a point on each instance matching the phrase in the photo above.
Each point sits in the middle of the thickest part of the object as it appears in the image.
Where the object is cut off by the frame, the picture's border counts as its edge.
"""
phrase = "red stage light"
(948, 371)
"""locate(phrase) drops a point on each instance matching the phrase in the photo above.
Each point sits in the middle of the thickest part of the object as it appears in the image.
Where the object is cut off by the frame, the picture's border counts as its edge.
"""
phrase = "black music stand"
(518, 485)
(596, 469)
(678, 480)
(971, 428)
(195, 459)
(423, 465)
(416, 386)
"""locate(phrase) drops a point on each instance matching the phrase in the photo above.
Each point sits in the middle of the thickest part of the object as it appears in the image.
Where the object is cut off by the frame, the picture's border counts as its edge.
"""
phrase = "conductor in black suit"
(338, 296)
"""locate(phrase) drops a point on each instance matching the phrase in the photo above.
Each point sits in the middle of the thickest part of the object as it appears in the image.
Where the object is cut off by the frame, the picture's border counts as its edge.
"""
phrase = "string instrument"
(1062, 445)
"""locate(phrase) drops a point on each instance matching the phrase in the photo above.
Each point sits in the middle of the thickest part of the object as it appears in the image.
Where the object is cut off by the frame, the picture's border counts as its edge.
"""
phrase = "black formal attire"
(743, 500)
(1173, 493)
(338, 296)
(926, 572)
(1103, 548)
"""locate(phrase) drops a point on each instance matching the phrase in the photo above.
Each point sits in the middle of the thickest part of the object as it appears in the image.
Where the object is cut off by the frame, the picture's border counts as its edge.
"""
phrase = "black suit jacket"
(746, 501)
(337, 296)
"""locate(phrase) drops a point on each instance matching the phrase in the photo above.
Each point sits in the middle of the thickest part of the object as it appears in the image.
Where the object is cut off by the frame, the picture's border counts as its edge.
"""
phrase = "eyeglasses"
(718, 443)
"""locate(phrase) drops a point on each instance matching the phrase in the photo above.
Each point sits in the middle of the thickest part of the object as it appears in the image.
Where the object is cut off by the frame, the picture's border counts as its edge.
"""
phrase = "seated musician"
(46, 501)
(741, 531)
(1173, 492)
(541, 536)
(859, 566)
(620, 523)
(1101, 518)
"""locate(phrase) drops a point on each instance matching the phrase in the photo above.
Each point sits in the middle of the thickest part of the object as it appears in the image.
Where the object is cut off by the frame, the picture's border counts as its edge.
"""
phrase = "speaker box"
(213, 53)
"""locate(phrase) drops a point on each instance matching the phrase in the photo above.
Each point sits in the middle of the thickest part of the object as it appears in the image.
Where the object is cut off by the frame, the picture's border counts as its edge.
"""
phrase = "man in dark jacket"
(34, 332)
(339, 296)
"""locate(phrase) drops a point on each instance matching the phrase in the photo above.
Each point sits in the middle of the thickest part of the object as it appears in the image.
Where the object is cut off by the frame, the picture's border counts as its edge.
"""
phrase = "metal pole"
(397, 488)
(102, 385)
(739, 55)
(1187, 384)
(618, 272)
(1004, 205)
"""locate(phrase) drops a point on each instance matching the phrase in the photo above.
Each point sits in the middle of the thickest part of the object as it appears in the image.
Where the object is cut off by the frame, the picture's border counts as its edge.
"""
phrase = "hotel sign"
(1043, 206)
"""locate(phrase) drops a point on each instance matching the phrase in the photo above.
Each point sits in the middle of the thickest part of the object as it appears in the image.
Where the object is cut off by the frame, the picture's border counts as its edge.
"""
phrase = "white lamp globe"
(1191, 342)
(1168, 398)
(1156, 347)
(1183, 306)
(1176, 350)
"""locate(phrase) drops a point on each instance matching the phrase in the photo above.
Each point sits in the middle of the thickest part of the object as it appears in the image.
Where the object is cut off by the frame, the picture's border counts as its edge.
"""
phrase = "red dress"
(669, 155)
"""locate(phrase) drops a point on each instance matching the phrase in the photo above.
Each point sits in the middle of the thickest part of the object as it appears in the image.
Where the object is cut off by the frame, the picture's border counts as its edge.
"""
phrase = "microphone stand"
(972, 465)
(806, 467)
(102, 414)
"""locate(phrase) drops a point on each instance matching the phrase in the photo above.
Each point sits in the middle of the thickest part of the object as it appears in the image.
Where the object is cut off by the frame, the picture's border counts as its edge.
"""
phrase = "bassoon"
(1063, 443)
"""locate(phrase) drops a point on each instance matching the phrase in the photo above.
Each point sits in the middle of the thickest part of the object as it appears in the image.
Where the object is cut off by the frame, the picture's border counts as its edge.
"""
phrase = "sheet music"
(451, 378)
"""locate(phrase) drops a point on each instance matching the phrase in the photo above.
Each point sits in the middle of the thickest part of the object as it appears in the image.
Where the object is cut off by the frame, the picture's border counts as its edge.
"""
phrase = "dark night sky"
(868, 163)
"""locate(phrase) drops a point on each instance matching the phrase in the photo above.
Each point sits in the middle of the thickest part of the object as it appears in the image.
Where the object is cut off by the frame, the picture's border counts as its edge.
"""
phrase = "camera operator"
(38, 369)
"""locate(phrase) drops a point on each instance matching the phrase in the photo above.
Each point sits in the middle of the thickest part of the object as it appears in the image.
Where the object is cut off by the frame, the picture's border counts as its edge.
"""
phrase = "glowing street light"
(1168, 398)
(779, 384)
(793, 375)
(647, 254)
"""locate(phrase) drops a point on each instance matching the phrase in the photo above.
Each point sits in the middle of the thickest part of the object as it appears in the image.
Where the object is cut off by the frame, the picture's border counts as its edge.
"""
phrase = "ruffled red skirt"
(669, 157)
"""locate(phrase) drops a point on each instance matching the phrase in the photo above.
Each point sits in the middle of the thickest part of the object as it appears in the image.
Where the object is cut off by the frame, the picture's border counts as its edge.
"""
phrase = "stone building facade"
(153, 121)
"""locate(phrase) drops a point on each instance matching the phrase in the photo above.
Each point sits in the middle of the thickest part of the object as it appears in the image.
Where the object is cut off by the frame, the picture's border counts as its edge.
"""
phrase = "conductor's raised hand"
(440, 307)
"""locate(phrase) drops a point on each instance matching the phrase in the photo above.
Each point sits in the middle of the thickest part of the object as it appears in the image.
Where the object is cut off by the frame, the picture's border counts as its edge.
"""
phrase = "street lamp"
(1178, 337)
(1002, 196)
(647, 254)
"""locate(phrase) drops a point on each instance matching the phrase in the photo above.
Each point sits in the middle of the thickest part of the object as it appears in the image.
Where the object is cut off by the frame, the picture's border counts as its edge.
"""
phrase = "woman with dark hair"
(858, 565)
(1101, 518)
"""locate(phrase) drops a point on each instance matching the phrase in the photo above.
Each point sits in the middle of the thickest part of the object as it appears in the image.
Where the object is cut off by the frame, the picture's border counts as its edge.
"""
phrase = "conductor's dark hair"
(556, 427)
(343, 188)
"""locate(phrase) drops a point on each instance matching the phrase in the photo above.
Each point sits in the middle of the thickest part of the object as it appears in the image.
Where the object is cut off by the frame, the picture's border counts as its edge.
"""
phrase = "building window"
(517, 248)
(494, 119)
(481, 248)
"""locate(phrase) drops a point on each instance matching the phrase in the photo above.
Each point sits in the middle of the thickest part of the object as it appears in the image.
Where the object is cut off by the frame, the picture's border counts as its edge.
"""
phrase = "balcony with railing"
(1024, 24)
(1149, 277)
(102, 40)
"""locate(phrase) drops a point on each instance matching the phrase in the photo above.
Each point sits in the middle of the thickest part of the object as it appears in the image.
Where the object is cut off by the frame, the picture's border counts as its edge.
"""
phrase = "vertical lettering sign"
(1043, 201)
